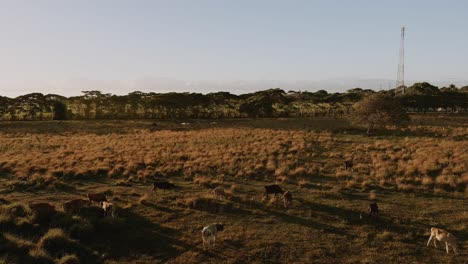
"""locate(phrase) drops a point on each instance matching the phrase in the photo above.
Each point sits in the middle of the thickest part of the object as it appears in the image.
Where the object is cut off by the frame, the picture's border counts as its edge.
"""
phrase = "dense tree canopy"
(421, 97)
(379, 110)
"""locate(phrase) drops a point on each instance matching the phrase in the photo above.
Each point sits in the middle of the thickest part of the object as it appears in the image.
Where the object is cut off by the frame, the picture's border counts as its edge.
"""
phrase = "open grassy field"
(418, 176)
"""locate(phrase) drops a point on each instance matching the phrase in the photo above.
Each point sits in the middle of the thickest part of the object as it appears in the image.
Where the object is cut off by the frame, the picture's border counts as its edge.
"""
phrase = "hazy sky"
(66, 46)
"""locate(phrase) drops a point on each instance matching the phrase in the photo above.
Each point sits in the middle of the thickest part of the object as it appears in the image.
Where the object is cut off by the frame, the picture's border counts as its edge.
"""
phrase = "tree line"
(420, 97)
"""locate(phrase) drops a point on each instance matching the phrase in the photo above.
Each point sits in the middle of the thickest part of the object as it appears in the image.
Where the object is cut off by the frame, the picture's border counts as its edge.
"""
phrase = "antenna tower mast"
(400, 84)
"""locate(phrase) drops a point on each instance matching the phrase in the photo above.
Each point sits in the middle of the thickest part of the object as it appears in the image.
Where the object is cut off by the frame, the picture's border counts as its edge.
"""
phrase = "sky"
(116, 46)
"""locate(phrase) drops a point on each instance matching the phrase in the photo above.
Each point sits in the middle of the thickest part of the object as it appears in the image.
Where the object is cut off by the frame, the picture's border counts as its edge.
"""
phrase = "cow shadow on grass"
(161, 208)
(259, 208)
(339, 212)
(307, 223)
(438, 195)
(348, 195)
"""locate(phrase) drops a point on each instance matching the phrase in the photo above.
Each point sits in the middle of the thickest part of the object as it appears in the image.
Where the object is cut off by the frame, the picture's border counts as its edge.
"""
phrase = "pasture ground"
(417, 175)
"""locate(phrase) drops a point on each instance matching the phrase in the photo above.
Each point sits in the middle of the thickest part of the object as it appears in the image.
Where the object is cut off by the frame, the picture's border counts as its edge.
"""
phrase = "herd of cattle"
(45, 210)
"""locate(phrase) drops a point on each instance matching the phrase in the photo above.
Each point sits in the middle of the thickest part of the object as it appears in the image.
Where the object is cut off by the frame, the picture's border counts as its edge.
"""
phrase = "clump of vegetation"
(304, 184)
(385, 236)
(69, 259)
(144, 200)
(16, 215)
(56, 243)
(379, 110)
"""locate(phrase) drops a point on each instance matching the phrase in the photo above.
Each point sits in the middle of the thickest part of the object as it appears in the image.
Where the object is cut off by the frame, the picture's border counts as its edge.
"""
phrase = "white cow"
(443, 236)
(108, 208)
(209, 234)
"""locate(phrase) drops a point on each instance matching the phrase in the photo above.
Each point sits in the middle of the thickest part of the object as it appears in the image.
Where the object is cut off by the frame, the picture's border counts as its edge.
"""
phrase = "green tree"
(379, 110)
(60, 110)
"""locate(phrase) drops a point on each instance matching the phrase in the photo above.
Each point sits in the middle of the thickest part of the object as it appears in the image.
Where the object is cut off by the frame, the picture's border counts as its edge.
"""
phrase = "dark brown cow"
(272, 189)
(43, 210)
(349, 164)
(75, 205)
(163, 185)
(97, 197)
(373, 209)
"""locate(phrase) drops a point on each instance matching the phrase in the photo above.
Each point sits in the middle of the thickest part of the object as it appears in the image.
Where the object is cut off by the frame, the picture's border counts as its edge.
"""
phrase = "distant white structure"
(400, 83)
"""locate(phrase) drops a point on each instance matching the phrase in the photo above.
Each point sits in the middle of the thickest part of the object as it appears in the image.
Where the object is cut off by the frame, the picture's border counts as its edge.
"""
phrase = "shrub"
(203, 181)
(427, 182)
(38, 256)
(57, 244)
(17, 210)
(144, 200)
(379, 110)
(16, 216)
(69, 259)
(385, 236)
(304, 184)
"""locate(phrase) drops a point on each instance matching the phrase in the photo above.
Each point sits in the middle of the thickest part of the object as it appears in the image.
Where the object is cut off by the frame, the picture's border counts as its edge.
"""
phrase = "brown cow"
(272, 189)
(163, 185)
(97, 197)
(373, 209)
(349, 164)
(42, 210)
(74, 206)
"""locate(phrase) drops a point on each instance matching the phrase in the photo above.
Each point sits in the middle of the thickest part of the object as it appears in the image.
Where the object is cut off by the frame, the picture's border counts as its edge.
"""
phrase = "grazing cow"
(443, 236)
(373, 209)
(74, 206)
(218, 192)
(163, 185)
(108, 208)
(287, 198)
(209, 234)
(97, 197)
(43, 210)
(349, 165)
(272, 189)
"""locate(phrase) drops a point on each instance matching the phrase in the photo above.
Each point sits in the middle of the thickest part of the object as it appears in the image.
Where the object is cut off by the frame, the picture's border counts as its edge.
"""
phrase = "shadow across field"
(292, 219)
(130, 235)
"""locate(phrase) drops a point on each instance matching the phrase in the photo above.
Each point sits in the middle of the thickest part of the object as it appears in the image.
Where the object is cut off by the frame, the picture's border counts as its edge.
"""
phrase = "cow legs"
(435, 243)
(204, 242)
(455, 249)
(447, 247)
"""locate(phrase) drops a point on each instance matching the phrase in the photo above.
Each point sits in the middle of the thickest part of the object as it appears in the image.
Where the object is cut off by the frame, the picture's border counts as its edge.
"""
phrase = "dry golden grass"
(418, 176)
(250, 153)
